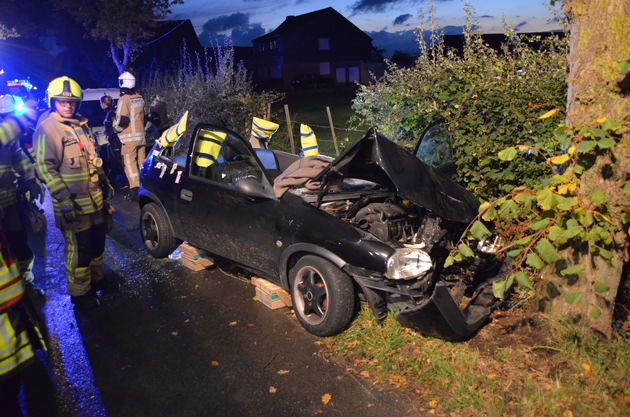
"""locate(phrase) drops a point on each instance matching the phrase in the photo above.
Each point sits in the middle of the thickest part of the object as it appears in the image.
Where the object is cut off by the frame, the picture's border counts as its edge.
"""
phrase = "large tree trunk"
(599, 45)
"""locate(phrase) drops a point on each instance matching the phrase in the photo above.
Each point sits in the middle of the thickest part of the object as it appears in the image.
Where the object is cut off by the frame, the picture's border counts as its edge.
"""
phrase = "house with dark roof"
(163, 50)
(321, 44)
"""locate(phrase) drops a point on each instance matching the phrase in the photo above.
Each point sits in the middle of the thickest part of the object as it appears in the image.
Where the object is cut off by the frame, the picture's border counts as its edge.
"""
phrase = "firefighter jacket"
(129, 122)
(12, 128)
(65, 162)
(13, 160)
(16, 349)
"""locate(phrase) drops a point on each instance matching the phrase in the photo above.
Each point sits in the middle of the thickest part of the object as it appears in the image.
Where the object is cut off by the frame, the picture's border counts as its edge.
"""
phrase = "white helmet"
(127, 80)
(7, 104)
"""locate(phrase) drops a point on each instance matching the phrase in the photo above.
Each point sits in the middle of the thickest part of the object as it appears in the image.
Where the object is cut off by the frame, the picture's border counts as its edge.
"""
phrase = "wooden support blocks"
(195, 258)
(271, 294)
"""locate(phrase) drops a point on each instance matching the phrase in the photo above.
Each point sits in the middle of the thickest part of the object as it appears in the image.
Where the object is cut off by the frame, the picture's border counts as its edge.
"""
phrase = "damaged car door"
(226, 203)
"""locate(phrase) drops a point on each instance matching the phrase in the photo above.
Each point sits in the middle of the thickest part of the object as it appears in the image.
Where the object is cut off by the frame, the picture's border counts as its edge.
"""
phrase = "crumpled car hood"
(376, 158)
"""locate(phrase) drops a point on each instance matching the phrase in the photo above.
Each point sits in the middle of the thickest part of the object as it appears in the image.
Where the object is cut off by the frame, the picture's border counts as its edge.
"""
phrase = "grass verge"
(517, 365)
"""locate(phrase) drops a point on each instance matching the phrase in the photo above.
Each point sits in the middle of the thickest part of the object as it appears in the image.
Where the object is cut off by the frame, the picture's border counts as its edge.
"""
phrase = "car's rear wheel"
(323, 296)
(156, 233)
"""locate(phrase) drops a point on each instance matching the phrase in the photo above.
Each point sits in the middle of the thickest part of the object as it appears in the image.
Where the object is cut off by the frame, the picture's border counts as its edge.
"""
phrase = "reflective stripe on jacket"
(16, 349)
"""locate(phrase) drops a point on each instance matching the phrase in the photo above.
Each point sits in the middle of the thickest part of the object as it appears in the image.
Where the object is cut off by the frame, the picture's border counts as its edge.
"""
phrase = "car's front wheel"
(323, 296)
(156, 233)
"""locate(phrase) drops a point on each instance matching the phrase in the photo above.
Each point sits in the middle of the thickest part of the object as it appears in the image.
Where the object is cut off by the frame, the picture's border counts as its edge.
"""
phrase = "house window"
(273, 45)
(324, 44)
(324, 68)
(340, 75)
(353, 74)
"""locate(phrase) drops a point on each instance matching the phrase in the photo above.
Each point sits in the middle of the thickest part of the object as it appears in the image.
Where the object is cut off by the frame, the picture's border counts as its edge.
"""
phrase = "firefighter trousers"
(133, 157)
(84, 258)
(18, 240)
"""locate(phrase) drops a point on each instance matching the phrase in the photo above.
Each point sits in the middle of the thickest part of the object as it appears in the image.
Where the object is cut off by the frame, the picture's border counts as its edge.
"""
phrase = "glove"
(68, 210)
(34, 189)
(106, 187)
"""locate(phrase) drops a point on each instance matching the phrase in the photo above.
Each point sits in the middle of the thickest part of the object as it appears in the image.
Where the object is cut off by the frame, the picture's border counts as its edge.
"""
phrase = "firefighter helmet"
(127, 80)
(7, 104)
(64, 88)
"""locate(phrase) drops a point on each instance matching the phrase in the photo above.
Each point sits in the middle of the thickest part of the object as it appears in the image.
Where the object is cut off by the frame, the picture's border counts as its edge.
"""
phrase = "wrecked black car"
(374, 224)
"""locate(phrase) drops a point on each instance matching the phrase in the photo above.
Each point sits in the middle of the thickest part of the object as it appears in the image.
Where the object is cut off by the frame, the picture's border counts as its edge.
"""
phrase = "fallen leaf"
(587, 368)
(326, 398)
(283, 372)
(250, 324)
(183, 296)
(319, 412)
(433, 403)
(318, 342)
(365, 374)
(233, 323)
(187, 321)
(175, 333)
(254, 298)
(214, 363)
(272, 390)
(567, 413)
(549, 114)
(492, 375)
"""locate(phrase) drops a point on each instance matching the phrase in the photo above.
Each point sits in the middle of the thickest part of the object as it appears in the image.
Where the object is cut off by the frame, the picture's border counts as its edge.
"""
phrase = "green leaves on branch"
(489, 99)
(539, 222)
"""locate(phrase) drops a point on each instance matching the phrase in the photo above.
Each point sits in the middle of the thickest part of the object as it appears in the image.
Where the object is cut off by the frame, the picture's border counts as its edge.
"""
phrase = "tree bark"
(599, 45)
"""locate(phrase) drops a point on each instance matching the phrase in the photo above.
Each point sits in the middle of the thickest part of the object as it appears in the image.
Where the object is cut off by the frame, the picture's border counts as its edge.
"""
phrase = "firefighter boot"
(87, 301)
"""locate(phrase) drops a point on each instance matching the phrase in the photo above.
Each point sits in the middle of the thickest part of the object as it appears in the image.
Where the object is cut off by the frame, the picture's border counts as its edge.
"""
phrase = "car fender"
(289, 252)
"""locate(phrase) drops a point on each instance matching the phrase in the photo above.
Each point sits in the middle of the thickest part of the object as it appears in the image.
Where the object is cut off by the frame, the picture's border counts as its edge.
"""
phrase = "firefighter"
(16, 165)
(129, 124)
(20, 334)
(67, 163)
(112, 158)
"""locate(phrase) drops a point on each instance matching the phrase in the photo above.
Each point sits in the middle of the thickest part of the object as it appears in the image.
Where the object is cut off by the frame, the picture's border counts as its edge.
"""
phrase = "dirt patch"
(510, 329)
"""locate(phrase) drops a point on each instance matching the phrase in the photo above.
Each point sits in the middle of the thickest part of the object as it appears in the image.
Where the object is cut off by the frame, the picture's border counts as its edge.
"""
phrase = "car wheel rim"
(149, 231)
(311, 295)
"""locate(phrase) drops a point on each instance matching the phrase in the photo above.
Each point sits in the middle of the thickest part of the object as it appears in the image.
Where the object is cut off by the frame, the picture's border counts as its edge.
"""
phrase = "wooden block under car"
(195, 258)
(270, 294)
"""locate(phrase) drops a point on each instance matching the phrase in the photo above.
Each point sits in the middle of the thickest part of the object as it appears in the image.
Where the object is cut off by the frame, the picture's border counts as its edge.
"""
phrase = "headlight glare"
(490, 244)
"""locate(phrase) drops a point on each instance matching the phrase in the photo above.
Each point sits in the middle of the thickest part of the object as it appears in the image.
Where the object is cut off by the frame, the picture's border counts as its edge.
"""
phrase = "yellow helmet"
(64, 88)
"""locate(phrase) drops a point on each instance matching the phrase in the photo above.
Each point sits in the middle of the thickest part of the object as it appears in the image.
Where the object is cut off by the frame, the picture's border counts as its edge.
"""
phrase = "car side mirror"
(251, 187)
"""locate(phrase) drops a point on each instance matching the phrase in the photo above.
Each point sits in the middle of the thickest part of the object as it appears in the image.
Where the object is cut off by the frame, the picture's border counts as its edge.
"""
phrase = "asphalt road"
(173, 342)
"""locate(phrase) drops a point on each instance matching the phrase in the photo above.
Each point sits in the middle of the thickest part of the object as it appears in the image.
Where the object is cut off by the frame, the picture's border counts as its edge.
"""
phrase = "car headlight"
(408, 263)
(490, 244)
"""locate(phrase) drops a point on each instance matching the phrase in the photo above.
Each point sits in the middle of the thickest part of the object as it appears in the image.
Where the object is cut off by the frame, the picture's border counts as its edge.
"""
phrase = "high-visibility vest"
(309, 141)
(171, 135)
(262, 131)
(16, 347)
(208, 146)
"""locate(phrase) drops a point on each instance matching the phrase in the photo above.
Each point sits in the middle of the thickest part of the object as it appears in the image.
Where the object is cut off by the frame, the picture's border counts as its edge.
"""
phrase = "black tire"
(323, 296)
(156, 232)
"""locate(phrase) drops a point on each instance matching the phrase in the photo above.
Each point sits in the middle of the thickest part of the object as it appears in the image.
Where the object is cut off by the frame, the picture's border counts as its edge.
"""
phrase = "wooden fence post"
(289, 127)
(332, 130)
